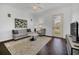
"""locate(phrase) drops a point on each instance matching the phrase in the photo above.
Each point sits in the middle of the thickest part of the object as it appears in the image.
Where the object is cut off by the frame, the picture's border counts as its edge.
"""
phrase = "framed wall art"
(20, 23)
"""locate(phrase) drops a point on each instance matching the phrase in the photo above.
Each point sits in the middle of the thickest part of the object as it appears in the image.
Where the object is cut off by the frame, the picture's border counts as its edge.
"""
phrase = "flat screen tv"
(74, 31)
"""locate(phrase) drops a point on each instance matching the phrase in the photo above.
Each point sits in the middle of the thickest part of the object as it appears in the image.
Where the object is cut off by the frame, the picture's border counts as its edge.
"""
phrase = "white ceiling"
(44, 6)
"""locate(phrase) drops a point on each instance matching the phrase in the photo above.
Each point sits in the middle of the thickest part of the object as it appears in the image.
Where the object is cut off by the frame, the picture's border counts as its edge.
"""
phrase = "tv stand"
(76, 41)
(72, 46)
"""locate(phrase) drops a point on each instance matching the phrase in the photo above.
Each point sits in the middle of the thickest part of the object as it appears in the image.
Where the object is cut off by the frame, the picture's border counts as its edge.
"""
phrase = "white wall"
(75, 12)
(67, 12)
(6, 23)
(47, 17)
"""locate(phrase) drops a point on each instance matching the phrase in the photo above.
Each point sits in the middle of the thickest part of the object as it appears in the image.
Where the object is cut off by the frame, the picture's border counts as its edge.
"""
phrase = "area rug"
(27, 47)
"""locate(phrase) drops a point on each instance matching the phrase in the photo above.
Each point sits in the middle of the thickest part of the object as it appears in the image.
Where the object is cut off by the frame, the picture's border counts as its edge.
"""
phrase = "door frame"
(62, 23)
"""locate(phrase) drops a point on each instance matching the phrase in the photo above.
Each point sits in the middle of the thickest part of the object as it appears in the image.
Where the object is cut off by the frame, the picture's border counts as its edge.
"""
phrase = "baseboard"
(58, 37)
(54, 36)
(48, 36)
(7, 41)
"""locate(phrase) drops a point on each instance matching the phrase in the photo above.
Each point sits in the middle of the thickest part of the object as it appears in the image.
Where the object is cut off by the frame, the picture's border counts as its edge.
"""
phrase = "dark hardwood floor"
(56, 46)
(4, 50)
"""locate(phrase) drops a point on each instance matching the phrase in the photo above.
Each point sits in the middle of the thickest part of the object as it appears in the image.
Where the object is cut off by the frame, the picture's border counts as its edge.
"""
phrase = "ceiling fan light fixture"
(36, 7)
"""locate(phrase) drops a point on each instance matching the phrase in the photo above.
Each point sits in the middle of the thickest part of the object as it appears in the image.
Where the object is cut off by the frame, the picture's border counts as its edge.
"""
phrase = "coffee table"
(34, 36)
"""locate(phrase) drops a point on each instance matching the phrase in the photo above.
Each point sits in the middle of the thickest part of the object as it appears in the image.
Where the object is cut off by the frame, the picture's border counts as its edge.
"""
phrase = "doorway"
(58, 25)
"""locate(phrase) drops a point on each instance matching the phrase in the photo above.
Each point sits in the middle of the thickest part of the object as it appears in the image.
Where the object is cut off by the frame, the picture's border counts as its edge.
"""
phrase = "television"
(74, 31)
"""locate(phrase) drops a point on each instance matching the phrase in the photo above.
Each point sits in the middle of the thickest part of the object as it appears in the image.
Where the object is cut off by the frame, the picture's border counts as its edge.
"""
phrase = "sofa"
(20, 33)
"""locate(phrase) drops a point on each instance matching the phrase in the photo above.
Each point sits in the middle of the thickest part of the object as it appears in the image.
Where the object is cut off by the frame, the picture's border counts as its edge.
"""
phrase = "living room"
(36, 17)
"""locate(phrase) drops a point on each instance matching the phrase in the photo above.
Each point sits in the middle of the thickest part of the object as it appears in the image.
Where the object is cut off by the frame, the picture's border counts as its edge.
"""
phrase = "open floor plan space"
(39, 28)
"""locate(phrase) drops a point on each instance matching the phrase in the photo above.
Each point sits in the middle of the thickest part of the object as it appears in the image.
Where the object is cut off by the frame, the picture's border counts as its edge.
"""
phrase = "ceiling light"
(36, 7)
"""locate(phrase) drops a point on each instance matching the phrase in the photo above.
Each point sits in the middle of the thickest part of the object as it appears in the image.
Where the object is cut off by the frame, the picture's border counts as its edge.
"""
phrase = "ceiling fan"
(36, 7)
